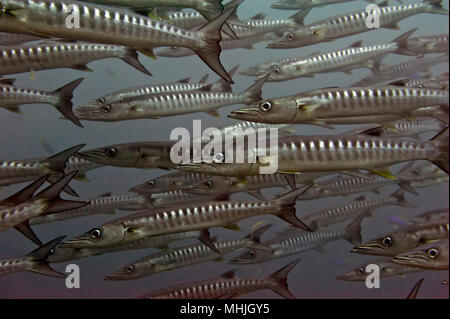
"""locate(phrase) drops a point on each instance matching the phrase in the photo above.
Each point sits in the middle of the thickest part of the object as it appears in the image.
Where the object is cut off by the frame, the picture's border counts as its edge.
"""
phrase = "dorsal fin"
(231, 274)
(259, 16)
(360, 198)
(356, 44)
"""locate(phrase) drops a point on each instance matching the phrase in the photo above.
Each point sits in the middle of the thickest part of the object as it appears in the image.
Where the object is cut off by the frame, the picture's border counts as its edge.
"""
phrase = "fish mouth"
(346, 277)
(116, 276)
(244, 113)
(366, 249)
(192, 167)
(240, 261)
(140, 189)
(83, 241)
(286, 6)
(195, 189)
(279, 45)
(250, 72)
(409, 260)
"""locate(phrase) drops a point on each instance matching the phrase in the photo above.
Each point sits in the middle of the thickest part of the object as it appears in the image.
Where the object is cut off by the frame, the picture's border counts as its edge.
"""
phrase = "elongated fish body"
(387, 269)
(187, 20)
(353, 23)
(100, 205)
(111, 25)
(404, 69)
(136, 155)
(440, 82)
(227, 286)
(304, 4)
(168, 183)
(404, 239)
(405, 128)
(437, 214)
(35, 261)
(82, 166)
(184, 218)
(176, 258)
(169, 104)
(331, 61)
(63, 254)
(433, 256)
(7, 38)
(430, 181)
(15, 215)
(341, 102)
(176, 198)
(429, 44)
(44, 56)
(350, 210)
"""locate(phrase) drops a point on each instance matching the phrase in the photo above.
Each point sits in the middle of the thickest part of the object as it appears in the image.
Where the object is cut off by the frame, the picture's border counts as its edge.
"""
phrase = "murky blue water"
(314, 276)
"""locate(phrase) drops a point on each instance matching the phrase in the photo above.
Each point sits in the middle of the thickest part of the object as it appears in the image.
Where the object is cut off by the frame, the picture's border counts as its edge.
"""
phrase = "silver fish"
(404, 239)
(340, 61)
(291, 241)
(353, 23)
(392, 72)
(18, 209)
(63, 254)
(350, 210)
(169, 104)
(387, 269)
(305, 4)
(321, 104)
(437, 214)
(430, 181)
(183, 218)
(19, 171)
(184, 256)
(12, 96)
(7, 38)
(44, 56)
(104, 204)
(35, 261)
(227, 286)
(440, 82)
(432, 256)
(429, 44)
(112, 25)
(179, 197)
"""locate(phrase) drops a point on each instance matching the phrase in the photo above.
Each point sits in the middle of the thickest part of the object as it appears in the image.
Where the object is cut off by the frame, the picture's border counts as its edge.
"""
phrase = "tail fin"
(402, 43)
(399, 197)
(64, 105)
(441, 142)
(26, 193)
(353, 230)
(287, 211)
(222, 85)
(210, 53)
(253, 93)
(413, 293)
(280, 277)
(51, 194)
(57, 162)
(40, 256)
(131, 57)
(436, 6)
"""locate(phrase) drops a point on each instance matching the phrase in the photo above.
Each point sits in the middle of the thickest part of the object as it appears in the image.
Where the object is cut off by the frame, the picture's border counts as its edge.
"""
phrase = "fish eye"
(151, 183)
(111, 152)
(387, 241)
(265, 106)
(289, 36)
(276, 69)
(208, 183)
(130, 269)
(433, 253)
(252, 253)
(101, 100)
(106, 108)
(361, 271)
(51, 251)
(95, 233)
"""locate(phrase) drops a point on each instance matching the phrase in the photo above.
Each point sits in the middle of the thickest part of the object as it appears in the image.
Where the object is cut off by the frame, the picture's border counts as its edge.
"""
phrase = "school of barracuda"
(175, 215)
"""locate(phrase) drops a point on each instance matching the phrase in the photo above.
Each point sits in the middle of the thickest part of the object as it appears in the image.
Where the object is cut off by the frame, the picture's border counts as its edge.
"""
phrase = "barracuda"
(63, 254)
(104, 204)
(440, 82)
(341, 102)
(291, 241)
(7, 38)
(429, 44)
(227, 286)
(404, 69)
(404, 239)
(13, 96)
(179, 197)
(405, 128)
(432, 256)
(44, 56)
(340, 61)
(201, 216)
(180, 86)
(184, 256)
(136, 155)
(430, 216)
(305, 4)
(112, 25)
(322, 153)
(18, 209)
(19, 171)
(35, 262)
(216, 185)
(386, 266)
(353, 23)
(352, 209)
(432, 181)
(169, 104)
